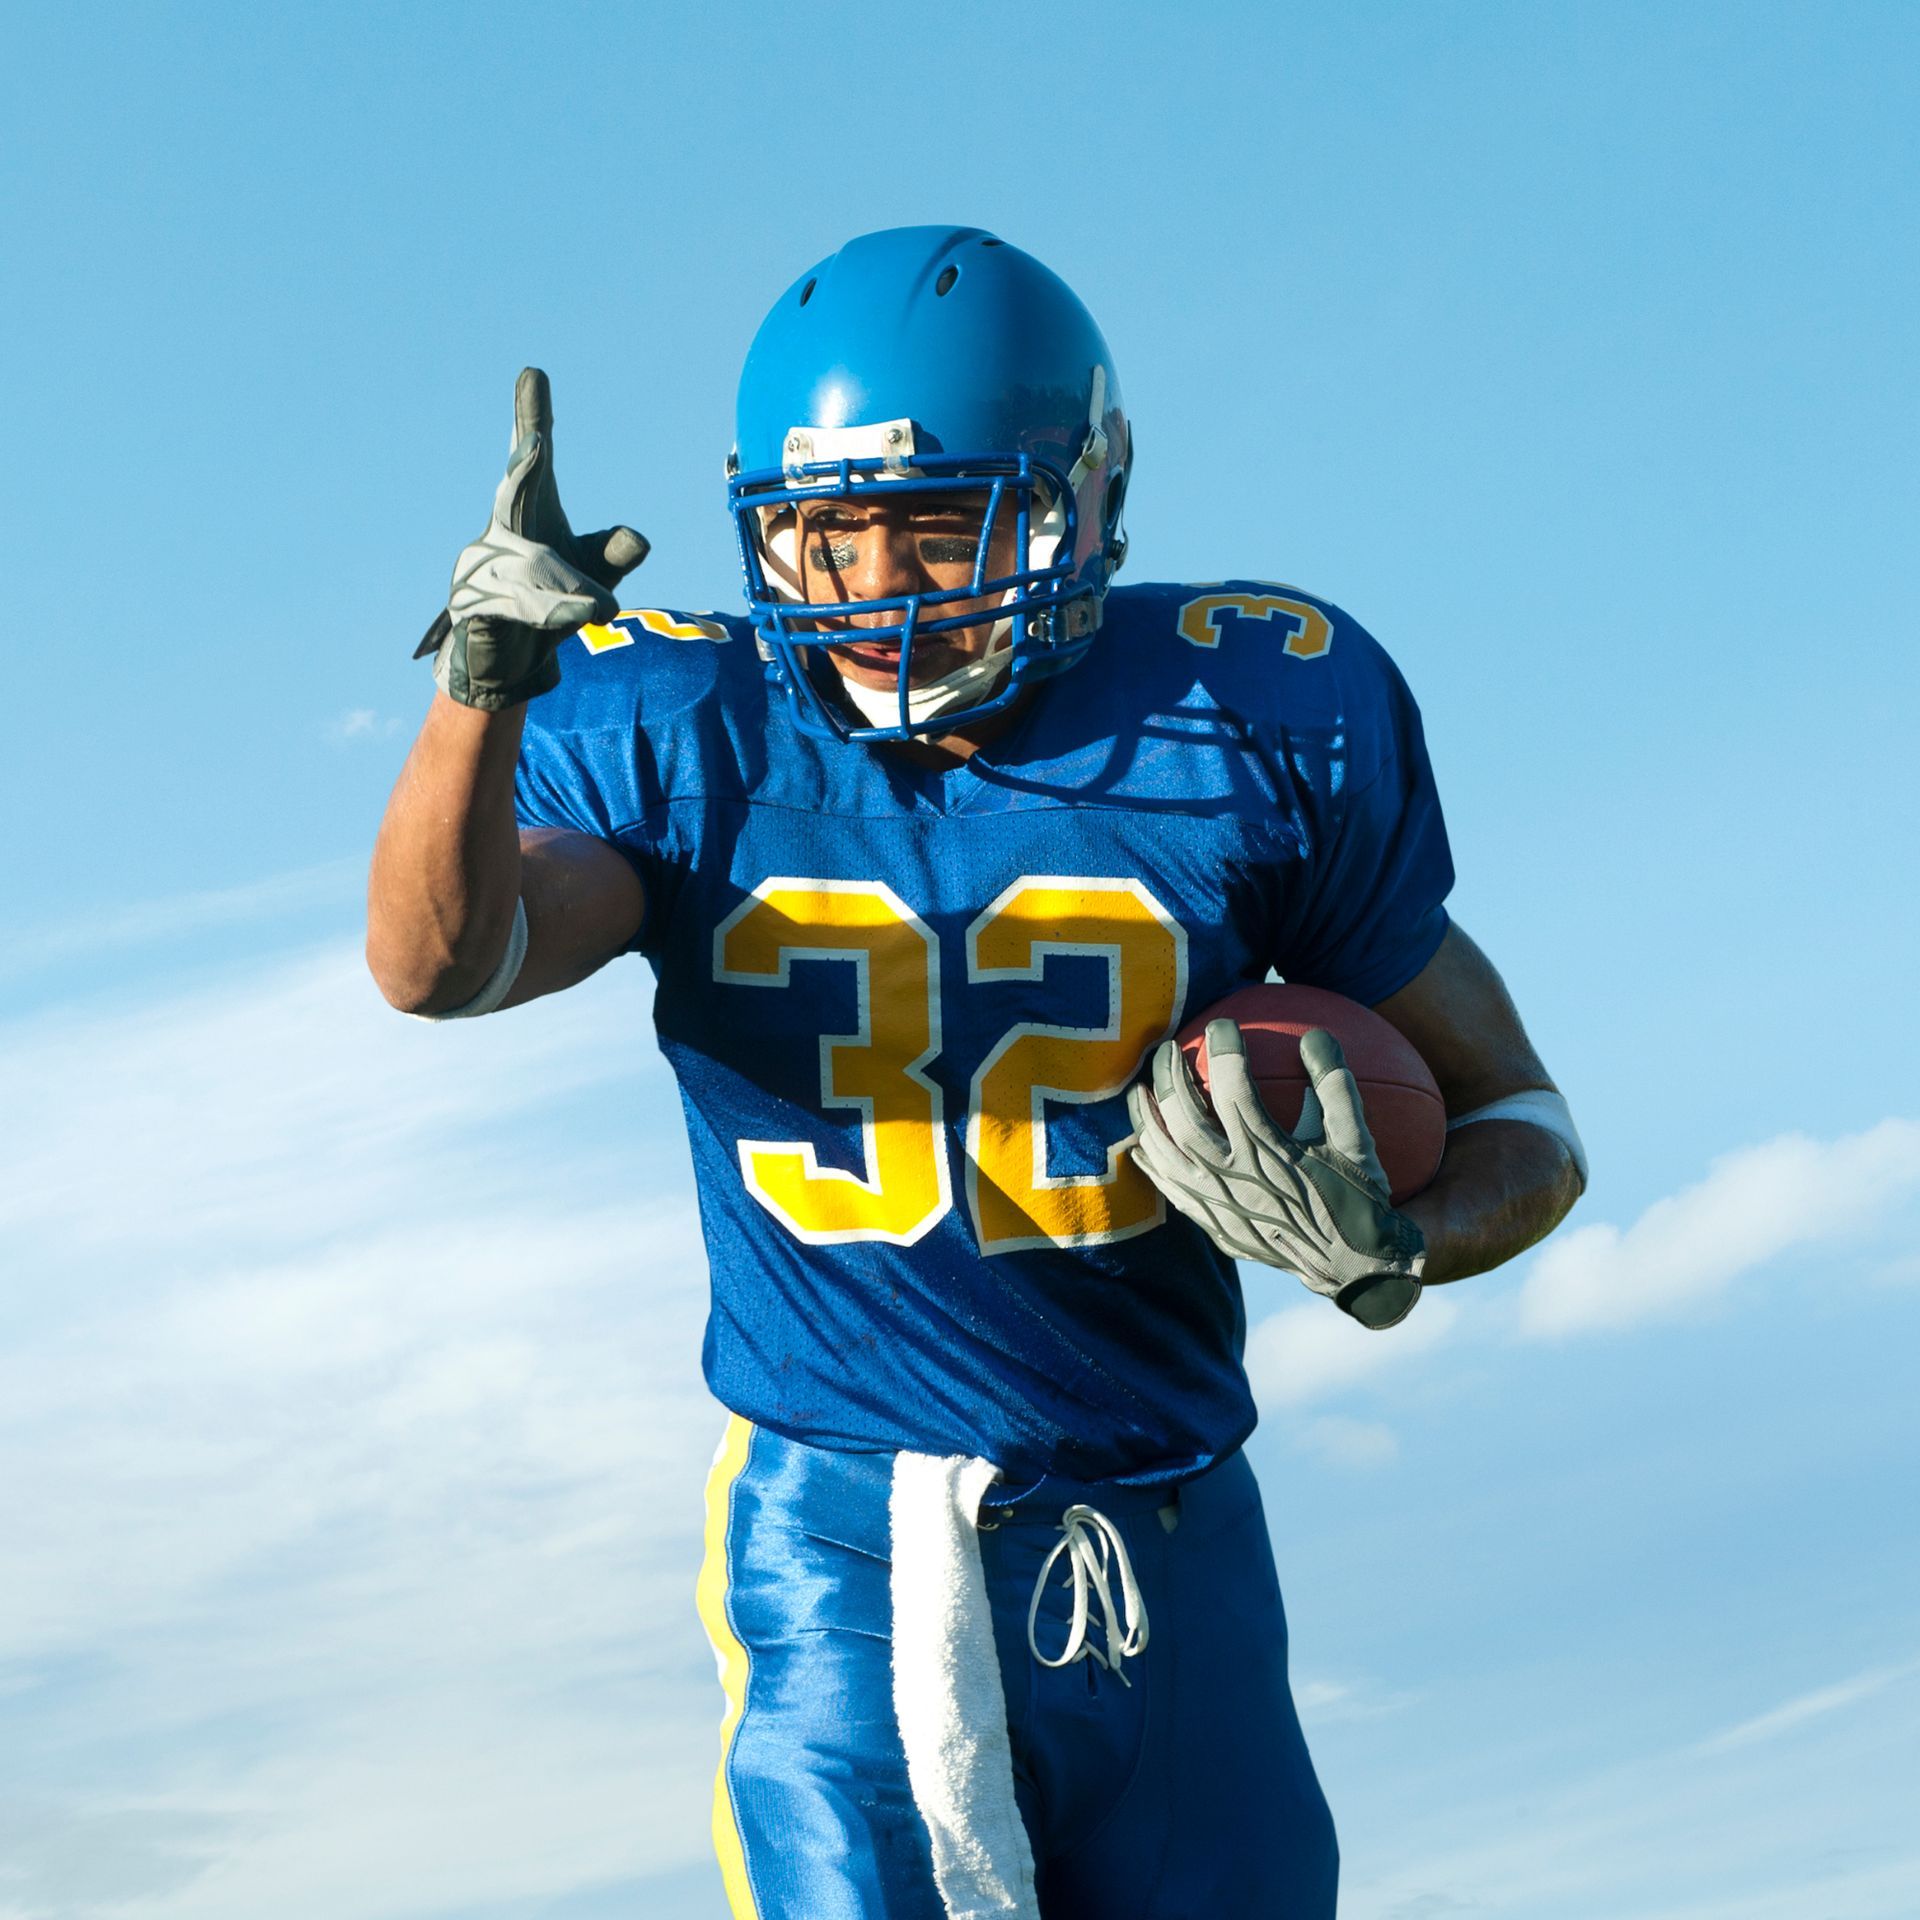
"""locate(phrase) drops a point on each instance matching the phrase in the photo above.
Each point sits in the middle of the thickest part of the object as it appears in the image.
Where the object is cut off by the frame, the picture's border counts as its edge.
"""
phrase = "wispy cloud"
(1326, 1703)
(1800, 1807)
(1306, 1352)
(351, 1441)
(1349, 1443)
(363, 723)
(145, 923)
(251, 1112)
(1796, 1712)
(1753, 1206)
(1722, 1830)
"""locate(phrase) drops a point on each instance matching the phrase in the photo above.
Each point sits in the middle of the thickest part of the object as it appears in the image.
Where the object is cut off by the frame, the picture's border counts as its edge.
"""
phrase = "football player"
(931, 853)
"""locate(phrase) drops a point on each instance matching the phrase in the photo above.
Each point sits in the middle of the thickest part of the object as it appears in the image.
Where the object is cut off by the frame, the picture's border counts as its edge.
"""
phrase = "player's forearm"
(446, 866)
(1502, 1185)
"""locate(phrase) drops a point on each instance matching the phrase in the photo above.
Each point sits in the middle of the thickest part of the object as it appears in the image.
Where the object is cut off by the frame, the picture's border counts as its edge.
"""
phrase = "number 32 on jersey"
(879, 1071)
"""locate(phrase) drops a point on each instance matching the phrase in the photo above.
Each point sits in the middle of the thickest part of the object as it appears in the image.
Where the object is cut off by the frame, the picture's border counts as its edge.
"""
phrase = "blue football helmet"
(931, 360)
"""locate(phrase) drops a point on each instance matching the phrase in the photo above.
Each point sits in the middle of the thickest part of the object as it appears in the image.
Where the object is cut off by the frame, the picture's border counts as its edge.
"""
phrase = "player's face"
(883, 549)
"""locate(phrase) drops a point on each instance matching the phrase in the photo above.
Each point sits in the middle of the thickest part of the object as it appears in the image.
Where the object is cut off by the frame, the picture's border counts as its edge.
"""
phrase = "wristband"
(1537, 1107)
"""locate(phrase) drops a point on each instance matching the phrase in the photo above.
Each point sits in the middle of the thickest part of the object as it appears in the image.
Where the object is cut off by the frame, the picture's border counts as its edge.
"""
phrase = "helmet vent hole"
(806, 292)
(993, 243)
(948, 275)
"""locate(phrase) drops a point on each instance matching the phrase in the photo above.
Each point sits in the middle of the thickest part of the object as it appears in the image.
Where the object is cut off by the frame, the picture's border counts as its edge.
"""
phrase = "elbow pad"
(1537, 1107)
(500, 981)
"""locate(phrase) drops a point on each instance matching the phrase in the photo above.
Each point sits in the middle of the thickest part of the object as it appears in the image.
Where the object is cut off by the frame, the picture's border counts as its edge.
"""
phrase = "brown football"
(1403, 1106)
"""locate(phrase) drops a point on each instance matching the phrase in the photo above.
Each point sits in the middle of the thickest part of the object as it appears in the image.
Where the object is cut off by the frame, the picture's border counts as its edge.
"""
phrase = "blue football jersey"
(903, 1004)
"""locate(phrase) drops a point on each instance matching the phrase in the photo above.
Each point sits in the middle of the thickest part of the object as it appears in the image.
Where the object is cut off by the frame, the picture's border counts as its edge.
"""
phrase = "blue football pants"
(1183, 1790)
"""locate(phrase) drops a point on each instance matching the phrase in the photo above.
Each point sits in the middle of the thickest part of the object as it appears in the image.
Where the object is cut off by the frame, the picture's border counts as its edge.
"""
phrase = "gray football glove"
(1314, 1201)
(529, 580)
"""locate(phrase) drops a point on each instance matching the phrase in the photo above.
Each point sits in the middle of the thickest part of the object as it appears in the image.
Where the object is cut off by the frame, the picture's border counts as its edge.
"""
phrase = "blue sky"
(351, 1520)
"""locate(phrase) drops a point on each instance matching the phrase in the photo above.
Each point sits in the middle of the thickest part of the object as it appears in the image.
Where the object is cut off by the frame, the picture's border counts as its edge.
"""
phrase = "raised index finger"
(532, 404)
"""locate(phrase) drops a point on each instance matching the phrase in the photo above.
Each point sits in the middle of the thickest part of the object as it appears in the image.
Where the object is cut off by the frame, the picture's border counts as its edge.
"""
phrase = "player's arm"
(466, 914)
(450, 867)
(1503, 1183)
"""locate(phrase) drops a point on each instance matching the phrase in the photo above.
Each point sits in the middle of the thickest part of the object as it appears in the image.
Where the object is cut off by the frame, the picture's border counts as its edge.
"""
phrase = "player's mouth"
(876, 655)
(876, 663)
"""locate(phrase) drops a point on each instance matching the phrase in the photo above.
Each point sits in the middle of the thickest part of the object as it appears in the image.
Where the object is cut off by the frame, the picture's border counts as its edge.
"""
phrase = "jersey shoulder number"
(627, 627)
(1224, 611)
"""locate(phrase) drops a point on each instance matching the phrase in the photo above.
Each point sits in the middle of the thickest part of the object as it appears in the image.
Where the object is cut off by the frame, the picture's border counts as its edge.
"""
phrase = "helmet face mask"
(1022, 508)
(1013, 405)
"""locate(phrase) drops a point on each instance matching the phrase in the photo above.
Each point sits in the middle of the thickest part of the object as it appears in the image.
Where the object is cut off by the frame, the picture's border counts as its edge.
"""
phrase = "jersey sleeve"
(1372, 913)
(594, 781)
(635, 741)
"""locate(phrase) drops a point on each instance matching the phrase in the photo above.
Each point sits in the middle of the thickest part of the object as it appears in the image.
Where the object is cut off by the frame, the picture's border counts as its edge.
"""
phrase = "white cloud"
(247, 1114)
(1803, 1707)
(152, 922)
(1327, 1703)
(1350, 1443)
(1754, 1205)
(351, 1447)
(362, 723)
(1306, 1352)
(1729, 1830)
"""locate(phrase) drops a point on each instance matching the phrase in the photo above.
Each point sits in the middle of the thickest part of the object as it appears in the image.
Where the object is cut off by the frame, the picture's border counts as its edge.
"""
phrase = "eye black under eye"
(943, 549)
(832, 553)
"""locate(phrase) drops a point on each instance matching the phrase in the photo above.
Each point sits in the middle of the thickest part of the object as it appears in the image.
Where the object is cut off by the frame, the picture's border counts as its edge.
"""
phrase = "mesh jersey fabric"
(902, 1003)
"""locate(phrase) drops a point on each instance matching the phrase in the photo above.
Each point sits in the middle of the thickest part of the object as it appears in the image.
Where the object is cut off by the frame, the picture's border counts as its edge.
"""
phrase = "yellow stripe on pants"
(711, 1596)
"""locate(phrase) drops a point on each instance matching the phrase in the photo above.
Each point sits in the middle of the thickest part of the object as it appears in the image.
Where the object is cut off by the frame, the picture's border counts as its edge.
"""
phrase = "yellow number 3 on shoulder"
(1309, 631)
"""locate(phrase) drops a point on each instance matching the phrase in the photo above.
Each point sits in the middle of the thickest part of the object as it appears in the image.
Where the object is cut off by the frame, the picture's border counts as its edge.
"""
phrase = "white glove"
(1314, 1201)
(529, 580)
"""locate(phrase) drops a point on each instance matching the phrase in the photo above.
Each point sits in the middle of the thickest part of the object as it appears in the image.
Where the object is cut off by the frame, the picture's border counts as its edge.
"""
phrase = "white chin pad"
(968, 684)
